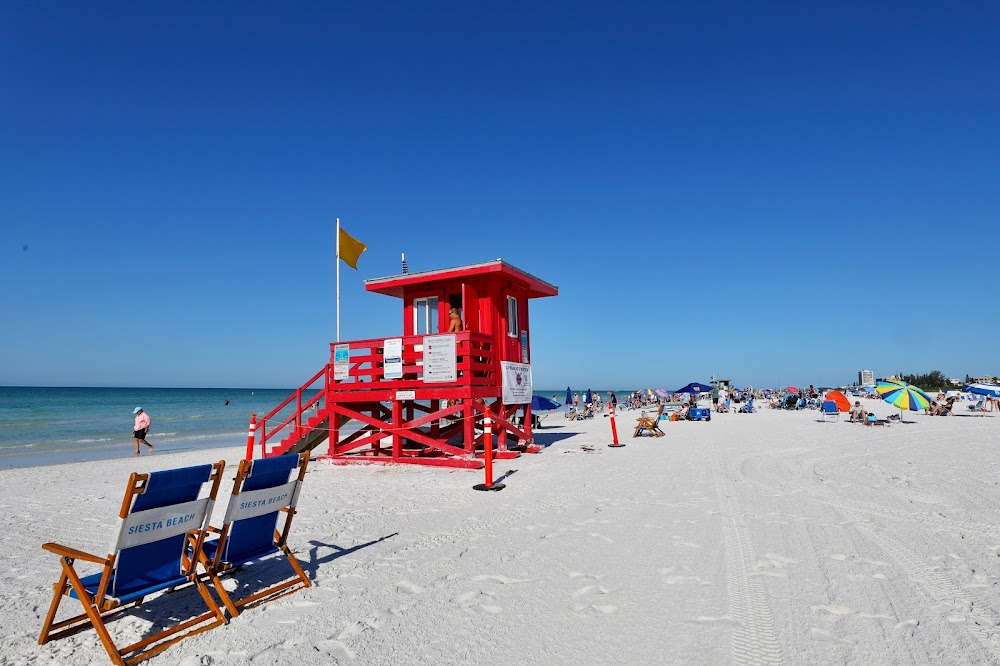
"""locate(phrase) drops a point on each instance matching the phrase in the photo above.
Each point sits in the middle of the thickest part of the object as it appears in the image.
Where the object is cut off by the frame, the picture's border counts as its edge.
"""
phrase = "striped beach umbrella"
(982, 389)
(903, 395)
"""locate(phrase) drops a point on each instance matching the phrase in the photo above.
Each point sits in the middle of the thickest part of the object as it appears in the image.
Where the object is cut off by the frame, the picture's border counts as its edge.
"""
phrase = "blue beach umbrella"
(695, 387)
(542, 404)
(590, 397)
(569, 396)
(982, 389)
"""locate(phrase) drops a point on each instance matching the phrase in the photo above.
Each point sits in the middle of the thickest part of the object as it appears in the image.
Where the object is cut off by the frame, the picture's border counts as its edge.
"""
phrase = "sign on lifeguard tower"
(440, 359)
(341, 362)
(516, 383)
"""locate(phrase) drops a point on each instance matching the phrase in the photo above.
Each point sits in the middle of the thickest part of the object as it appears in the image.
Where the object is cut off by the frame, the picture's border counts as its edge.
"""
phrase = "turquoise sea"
(43, 426)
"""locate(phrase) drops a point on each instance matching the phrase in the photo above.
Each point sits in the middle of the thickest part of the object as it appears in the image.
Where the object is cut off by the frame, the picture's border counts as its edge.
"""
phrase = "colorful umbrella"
(792, 389)
(843, 404)
(660, 393)
(903, 395)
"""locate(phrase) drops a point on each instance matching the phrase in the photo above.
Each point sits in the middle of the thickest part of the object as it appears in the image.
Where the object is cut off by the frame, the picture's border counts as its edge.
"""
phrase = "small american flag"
(405, 269)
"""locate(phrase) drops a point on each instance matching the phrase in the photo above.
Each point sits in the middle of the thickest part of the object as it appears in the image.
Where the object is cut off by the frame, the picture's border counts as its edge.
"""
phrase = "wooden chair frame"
(215, 568)
(100, 607)
(650, 424)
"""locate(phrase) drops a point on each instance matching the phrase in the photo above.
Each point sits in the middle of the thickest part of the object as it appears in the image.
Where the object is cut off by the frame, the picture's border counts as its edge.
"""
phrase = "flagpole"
(337, 261)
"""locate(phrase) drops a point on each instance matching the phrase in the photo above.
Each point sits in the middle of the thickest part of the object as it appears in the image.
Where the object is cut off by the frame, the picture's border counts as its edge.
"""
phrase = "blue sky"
(781, 193)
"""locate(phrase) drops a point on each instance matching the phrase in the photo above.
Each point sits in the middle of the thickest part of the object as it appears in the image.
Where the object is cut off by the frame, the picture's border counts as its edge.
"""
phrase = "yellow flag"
(350, 249)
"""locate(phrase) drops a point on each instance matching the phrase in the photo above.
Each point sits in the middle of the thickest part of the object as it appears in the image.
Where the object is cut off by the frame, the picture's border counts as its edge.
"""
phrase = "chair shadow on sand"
(311, 566)
(260, 575)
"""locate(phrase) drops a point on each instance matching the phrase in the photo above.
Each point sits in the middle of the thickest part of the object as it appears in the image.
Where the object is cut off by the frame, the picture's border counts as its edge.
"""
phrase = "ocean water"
(44, 426)
(40, 426)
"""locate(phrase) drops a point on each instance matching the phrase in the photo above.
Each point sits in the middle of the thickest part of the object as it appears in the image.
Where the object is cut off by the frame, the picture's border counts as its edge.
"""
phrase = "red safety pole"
(250, 437)
(488, 452)
(614, 431)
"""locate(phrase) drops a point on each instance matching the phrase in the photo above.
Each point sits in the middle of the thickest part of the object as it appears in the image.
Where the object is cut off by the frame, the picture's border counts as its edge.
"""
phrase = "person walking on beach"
(139, 431)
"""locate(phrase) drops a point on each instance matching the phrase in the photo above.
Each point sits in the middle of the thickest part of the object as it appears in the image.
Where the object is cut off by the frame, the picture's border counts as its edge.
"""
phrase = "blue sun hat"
(137, 410)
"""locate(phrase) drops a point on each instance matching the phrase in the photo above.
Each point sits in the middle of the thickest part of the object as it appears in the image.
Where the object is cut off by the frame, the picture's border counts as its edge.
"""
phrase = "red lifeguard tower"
(420, 398)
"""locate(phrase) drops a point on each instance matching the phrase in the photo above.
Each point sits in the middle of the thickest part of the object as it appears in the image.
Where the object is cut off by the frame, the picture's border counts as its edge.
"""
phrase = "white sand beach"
(768, 538)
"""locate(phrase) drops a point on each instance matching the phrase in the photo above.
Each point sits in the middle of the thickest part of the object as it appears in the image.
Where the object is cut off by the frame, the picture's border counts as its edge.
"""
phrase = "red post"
(614, 430)
(250, 437)
(488, 453)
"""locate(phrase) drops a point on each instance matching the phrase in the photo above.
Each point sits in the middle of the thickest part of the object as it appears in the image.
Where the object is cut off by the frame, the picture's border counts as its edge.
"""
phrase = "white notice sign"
(439, 358)
(406, 395)
(341, 362)
(393, 358)
(516, 383)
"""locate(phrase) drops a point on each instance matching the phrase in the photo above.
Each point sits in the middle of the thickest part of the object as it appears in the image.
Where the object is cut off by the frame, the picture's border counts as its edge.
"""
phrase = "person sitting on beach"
(871, 420)
(940, 408)
(858, 415)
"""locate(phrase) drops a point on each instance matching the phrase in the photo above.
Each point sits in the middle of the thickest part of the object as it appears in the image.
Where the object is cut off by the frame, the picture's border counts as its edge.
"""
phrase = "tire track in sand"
(754, 640)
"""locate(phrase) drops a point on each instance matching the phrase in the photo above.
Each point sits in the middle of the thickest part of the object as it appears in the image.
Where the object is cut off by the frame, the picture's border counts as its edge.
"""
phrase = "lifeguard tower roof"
(394, 285)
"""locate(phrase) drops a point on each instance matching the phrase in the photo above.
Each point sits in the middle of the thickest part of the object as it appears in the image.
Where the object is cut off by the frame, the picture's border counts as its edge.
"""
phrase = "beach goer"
(858, 414)
(613, 399)
(141, 428)
(454, 321)
(576, 400)
(715, 395)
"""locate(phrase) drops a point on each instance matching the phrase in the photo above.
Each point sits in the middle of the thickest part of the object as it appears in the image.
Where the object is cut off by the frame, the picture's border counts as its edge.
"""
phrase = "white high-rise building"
(866, 378)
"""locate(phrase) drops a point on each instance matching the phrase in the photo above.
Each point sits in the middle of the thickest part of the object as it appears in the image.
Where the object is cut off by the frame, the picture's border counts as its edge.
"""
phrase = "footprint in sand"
(590, 589)
(503, 580)
(835, 610)
(824, 635)
(840, 557)
(335, 649)
(724, 619)
(908, 627)
(592, 610)
(408, 587)
(577, 574)
(473, 601)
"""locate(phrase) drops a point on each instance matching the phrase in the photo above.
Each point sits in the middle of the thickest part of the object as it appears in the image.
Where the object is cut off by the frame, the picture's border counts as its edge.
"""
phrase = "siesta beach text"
(160, 524)
(253, 504)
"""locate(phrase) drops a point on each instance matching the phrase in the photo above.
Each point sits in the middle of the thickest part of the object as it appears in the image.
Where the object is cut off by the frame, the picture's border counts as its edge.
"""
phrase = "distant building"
(866, 378)
(955, 382)
(986, 379)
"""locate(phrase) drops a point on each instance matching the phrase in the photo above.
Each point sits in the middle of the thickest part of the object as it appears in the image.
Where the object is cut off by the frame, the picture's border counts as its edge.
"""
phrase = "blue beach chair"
(160, 515)
(261, 492)
(830, 409)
